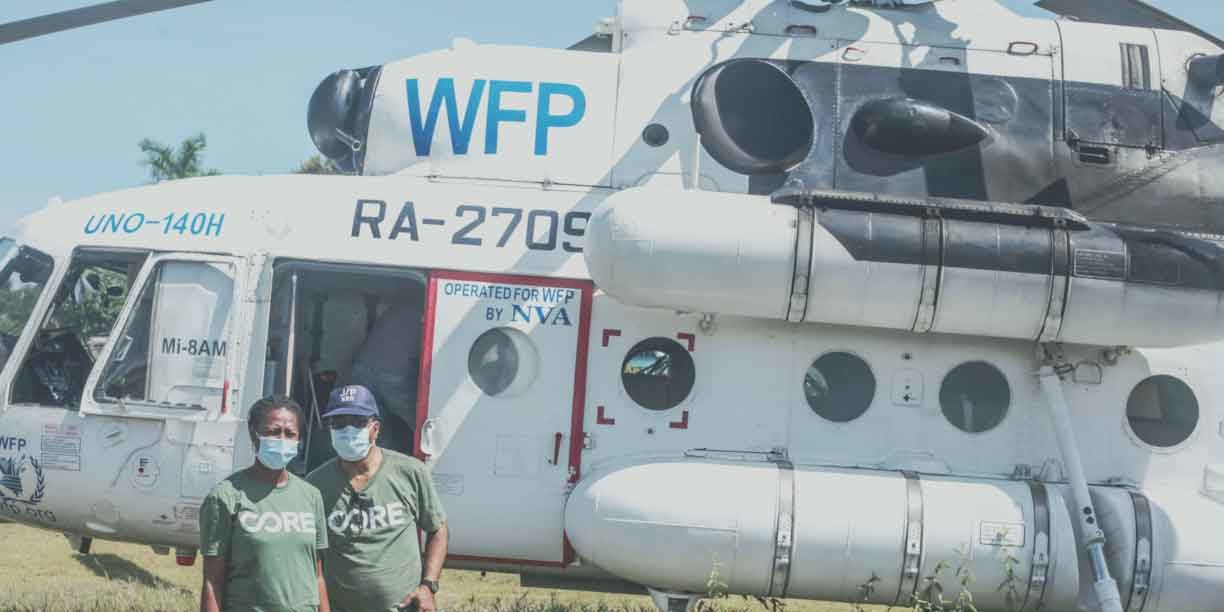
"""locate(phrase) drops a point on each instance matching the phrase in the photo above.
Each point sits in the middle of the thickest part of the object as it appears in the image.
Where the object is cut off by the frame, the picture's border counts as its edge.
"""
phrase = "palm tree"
(166, 164)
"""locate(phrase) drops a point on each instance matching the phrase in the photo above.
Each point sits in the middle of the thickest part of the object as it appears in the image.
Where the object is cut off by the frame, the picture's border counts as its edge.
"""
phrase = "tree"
(167, 164)
(317, 165)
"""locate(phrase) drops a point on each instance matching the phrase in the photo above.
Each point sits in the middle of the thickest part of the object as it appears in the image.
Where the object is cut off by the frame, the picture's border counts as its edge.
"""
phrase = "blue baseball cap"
(353, 400)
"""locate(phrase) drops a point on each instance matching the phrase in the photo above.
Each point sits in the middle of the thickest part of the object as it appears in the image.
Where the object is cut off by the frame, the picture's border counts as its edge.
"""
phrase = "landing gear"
(81, 545)
(674, 602)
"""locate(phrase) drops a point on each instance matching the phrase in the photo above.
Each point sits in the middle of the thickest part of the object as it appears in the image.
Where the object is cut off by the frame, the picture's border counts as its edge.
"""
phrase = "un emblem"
(22, 480)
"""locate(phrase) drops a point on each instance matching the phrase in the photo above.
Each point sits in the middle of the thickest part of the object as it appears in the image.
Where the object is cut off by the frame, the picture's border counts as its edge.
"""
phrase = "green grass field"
(39, 572)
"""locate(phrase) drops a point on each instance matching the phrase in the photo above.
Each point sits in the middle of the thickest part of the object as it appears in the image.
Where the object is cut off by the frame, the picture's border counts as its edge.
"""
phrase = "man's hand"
(424, 599)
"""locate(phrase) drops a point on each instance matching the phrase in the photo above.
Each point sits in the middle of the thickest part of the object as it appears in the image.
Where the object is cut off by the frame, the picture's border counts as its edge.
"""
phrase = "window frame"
(644, 345)
(1008, 409)
(871, 402)
(45, 308)
(25, 340)
(1199, 424)
(235, 362)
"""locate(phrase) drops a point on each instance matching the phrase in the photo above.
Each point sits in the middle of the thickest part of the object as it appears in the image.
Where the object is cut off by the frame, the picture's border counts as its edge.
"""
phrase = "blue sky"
(74, 104)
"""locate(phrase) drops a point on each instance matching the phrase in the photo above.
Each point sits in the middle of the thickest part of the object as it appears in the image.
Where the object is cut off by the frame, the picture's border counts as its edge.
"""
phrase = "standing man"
(389, 362)
(375, 500)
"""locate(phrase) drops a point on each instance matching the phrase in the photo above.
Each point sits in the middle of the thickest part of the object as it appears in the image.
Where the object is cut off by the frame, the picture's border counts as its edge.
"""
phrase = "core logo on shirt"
(277, 522)
(376, 517)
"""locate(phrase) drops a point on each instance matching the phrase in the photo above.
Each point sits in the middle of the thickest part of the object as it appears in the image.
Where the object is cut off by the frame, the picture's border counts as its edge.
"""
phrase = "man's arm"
(324, 602)
(435, 556)
(435, 553)
(213, 592)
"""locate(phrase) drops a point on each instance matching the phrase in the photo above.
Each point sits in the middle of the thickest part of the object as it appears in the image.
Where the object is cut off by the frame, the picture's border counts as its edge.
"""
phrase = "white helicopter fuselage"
(725, 392)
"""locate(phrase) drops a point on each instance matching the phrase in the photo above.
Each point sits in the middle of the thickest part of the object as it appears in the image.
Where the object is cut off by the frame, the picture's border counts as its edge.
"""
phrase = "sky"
(73, 105)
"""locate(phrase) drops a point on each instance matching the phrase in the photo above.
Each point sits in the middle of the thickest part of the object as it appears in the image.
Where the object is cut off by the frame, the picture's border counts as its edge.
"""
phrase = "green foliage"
(318, 165)
(866, 590)
(15, 309)
(167, 164)
(1010, 587)
(931, 593)
(716, 588)
(97, 313)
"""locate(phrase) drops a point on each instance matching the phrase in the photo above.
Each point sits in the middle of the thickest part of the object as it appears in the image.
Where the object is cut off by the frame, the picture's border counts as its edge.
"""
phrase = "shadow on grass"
(118, 569)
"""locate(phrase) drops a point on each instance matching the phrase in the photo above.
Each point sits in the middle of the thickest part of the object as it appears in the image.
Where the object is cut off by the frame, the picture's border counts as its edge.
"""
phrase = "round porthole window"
(658, 373)
(975, 396)
(1162, 411)
(839, 387)
(503, 361)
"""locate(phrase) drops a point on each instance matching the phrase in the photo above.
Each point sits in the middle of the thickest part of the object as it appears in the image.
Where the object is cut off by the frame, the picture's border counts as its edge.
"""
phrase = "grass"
(39, 572)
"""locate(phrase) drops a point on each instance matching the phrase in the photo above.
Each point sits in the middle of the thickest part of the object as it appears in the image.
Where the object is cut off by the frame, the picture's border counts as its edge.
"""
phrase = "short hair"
(267, 405)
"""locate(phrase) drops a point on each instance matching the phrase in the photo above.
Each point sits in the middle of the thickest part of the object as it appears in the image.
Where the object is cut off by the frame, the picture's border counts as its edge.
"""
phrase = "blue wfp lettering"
(444, 93)
(424, 125)
(545, 120)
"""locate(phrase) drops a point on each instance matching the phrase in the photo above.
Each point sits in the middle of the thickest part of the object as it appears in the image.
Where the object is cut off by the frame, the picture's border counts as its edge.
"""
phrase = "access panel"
(501, 403)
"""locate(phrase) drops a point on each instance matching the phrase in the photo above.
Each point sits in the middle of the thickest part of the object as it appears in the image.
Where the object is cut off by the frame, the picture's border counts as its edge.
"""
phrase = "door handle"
(556, 458)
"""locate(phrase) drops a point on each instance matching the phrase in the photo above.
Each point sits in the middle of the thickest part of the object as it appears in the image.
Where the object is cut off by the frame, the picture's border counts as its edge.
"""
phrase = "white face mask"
(351, 443)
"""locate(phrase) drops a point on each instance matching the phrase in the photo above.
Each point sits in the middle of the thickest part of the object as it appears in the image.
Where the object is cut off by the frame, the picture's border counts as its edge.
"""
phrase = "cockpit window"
(75, 328)
(22, 280)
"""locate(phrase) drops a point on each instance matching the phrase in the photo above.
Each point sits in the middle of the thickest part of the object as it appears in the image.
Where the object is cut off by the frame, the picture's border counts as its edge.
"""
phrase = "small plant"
(716, 588)
(930, 597)
(866, 590)
(1010, 587)
(772, 604)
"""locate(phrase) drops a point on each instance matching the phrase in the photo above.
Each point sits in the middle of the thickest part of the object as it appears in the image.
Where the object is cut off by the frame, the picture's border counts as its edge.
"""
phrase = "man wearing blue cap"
(375, 500)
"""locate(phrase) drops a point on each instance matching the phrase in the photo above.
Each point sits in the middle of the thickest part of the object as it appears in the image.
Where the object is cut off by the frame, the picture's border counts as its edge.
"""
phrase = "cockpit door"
(177, 353)
(503, 380)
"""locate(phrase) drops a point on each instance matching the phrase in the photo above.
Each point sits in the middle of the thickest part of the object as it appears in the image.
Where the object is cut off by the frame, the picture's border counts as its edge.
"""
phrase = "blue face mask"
(351, 443)
(276, 453)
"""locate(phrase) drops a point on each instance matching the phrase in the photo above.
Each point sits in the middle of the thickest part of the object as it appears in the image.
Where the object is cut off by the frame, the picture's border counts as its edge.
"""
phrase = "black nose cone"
(331, 114)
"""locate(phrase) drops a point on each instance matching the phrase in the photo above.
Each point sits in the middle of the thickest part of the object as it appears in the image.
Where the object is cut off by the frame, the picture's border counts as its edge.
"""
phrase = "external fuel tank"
(1060, 280)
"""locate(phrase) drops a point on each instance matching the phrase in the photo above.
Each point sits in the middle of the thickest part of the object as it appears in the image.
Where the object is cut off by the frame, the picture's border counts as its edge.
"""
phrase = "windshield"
(22, 279)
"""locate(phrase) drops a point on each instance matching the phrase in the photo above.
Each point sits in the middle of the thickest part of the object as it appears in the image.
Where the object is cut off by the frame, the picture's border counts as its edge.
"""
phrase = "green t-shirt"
(270, 538)
(374, 561)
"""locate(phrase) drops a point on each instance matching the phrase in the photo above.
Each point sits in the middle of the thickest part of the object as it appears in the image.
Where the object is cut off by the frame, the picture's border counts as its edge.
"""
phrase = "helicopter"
(816, 300)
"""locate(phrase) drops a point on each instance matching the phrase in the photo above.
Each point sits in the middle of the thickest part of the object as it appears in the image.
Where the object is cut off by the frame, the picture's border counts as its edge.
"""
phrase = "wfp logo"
(22, 480)
(496, 111)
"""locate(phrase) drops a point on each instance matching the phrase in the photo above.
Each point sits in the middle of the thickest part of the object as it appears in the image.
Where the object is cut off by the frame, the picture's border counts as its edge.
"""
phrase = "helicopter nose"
(338, 115)
(752, 116)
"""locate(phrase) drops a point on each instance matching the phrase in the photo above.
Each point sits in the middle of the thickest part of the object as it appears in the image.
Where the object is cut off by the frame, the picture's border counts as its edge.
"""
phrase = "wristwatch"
(432, 585)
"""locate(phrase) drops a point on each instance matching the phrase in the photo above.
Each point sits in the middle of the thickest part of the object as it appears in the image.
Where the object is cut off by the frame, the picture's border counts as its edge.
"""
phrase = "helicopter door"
(1113, 85)
(500, 409)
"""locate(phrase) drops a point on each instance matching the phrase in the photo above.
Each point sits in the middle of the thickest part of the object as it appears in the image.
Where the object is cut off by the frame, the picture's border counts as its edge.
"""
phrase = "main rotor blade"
(1124, 13)
(85, 16)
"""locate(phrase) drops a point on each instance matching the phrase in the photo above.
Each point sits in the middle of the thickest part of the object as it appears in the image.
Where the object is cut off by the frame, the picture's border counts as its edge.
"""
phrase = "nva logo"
(490, 92)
